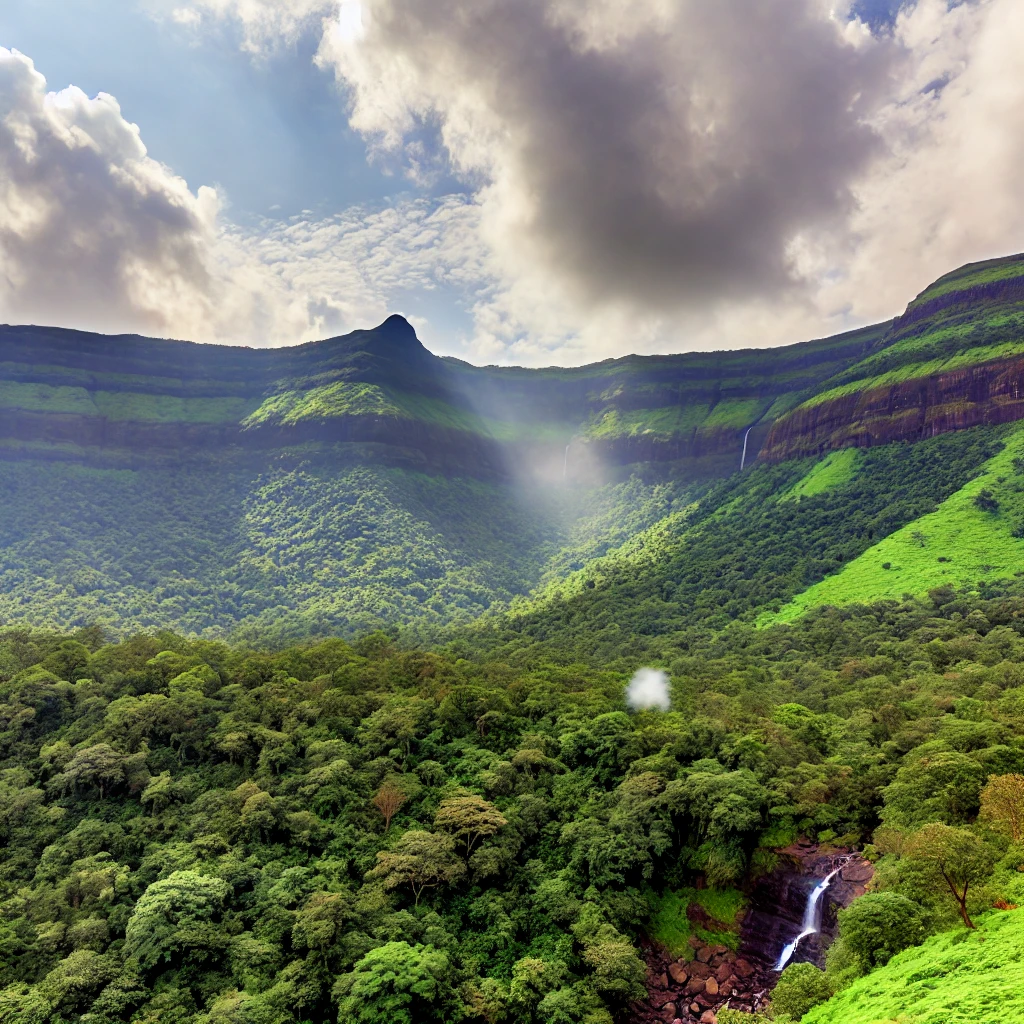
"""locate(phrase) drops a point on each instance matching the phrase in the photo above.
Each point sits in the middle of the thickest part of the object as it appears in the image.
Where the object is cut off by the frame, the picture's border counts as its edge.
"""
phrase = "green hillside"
(974, 978)
(975, 534)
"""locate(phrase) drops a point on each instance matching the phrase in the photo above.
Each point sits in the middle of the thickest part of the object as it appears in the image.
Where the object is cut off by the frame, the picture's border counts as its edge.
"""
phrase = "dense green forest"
(196, 832)
(303, 548)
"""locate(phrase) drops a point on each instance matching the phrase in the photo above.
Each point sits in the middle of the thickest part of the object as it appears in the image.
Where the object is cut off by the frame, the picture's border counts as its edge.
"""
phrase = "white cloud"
(653, 176)
(97, 235)
(669, 174)
(649, 688)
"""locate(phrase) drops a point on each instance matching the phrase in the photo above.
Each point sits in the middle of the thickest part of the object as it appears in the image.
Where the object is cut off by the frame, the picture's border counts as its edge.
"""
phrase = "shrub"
(801, 987)
(877, 926)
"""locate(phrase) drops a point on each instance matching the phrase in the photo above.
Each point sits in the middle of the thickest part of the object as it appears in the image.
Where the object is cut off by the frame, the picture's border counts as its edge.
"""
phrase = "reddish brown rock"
(708, 1017)
(743, 968)
(704, 954)
(723, 972)
(711, 987)
(699, 970)
(679, 975)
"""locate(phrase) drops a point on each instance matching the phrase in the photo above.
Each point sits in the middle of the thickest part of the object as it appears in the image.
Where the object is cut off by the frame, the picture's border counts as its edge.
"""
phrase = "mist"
(648, 689)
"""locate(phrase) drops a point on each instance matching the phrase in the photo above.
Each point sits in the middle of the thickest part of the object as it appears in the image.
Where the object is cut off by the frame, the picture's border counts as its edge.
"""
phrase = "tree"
(1002, 805)
(166, 917)
(398, 983)
(954, 855)
(469, 818)
(421, 860)
(879, 925)
(388, 799)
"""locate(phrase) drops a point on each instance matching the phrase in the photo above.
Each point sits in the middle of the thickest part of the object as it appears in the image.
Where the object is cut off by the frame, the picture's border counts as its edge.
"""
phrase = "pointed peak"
(397, 321)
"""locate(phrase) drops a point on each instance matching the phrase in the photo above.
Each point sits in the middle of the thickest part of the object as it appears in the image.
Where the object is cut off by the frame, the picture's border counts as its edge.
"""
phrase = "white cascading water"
(565, 464)
(743, 458)
(812, 919)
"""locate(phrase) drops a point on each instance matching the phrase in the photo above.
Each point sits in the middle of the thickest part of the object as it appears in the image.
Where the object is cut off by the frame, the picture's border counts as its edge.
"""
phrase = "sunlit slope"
(976, 534)
(745, 547)
(958, 977)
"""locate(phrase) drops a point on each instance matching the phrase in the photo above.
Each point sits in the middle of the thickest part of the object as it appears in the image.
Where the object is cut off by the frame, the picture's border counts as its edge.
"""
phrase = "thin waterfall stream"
(743, 459)
(812, 918)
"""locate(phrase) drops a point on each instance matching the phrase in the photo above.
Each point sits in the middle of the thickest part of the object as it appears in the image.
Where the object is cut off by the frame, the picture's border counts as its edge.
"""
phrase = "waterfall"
(812, 918)
(565, 464)
(743, 460)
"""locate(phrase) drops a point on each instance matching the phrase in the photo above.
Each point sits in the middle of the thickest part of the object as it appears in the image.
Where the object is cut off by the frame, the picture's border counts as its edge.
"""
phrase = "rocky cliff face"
(908, 411)
(955, 359)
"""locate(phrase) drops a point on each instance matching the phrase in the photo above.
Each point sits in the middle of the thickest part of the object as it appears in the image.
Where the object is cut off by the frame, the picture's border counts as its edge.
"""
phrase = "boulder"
(695, 985)
(743, 968)
(699, 970)
(704, 954)
(724, 971)
(711, 987)
(708, 1017)
(663, 980)
(668, 1011)
(679, 974)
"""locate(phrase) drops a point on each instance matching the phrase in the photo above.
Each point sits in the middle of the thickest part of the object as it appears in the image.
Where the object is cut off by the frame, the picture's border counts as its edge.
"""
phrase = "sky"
(539, 182)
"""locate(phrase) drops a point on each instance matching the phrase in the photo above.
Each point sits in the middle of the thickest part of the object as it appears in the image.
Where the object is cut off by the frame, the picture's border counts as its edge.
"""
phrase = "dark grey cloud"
(658, 152)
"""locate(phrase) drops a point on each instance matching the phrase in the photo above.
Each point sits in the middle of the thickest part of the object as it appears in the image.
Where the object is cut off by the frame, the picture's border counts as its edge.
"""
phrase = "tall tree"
(956, 857)
(421, 860)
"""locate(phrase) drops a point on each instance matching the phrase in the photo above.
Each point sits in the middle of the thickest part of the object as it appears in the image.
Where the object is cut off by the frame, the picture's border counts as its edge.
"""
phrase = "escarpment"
(954, 360)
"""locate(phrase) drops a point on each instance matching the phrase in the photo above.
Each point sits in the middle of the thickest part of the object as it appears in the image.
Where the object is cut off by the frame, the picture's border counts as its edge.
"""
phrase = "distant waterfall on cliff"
(812, 918)
(743, 459)
(565, 464)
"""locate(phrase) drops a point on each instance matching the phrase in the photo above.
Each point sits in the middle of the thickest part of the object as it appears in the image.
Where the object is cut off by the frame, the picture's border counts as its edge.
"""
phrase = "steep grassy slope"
(975, 534)
(958, 977)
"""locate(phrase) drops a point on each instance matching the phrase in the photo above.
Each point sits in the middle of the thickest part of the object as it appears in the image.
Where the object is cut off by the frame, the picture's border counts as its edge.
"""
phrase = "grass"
(666, 422)
(343, 398)
(952, 283)
(46, 398)
(670, 926)
(735, 412)
(958, 977)
(169, 408)
(833, 471)
(973, 544)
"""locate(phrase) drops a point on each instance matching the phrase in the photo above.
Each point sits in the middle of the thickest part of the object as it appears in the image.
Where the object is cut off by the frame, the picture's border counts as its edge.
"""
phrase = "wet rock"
(857, 871)
(704, 954)
(699, 970)
(708, 1017)
(711, 987)
(679, 974)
